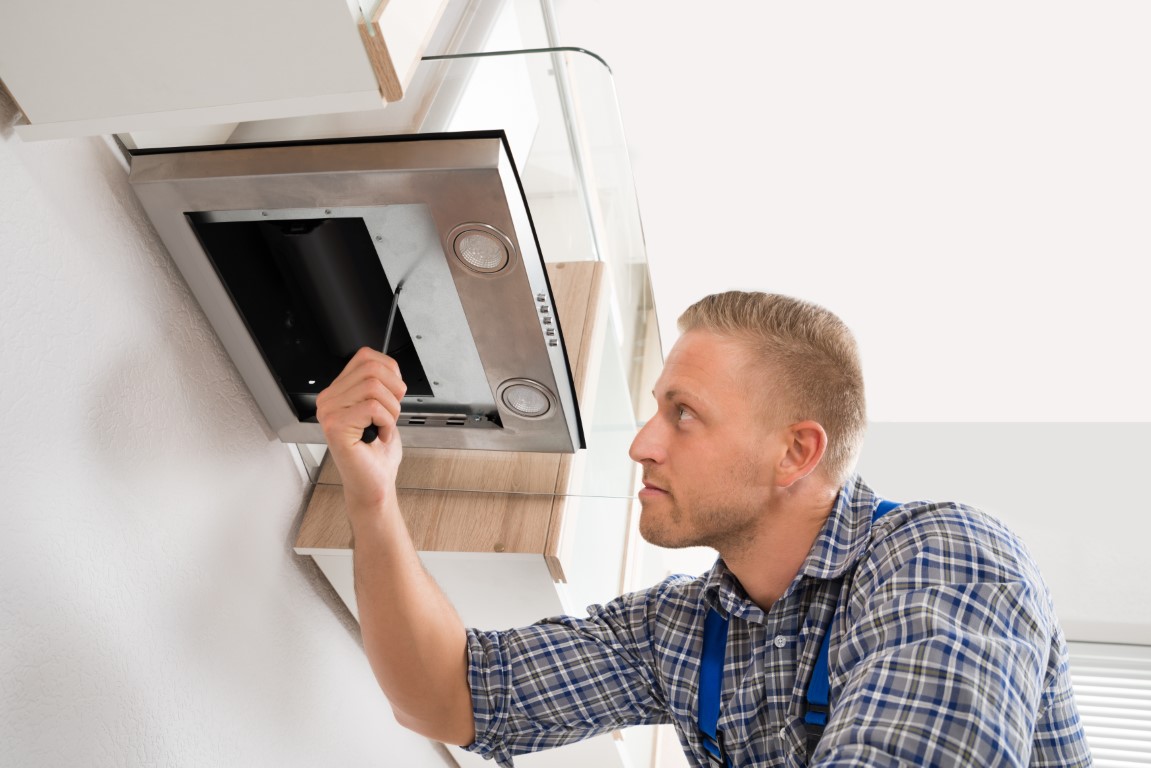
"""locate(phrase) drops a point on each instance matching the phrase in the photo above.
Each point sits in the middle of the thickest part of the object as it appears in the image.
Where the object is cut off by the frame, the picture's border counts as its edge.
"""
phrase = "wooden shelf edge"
(411, 24)
(440, 521)
(382, 67)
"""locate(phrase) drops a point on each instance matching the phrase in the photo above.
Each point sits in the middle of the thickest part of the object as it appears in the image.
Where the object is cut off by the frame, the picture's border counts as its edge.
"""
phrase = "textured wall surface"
(151, 609)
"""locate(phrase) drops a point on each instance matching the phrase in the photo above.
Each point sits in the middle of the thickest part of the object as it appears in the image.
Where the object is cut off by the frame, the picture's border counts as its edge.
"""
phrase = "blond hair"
(818, 374)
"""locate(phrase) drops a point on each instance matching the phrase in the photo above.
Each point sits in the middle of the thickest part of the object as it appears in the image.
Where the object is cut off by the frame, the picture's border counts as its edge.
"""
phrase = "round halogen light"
(481, 247)
(526, 398)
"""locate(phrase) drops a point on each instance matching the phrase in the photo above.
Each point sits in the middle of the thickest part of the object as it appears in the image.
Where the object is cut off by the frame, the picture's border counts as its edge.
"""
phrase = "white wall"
(151, 609)
(966, 185)
(1071, 491)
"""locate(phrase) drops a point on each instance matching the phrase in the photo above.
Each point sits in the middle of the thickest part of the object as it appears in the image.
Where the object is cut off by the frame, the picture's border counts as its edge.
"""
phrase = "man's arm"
(567, 678)
(414, 640)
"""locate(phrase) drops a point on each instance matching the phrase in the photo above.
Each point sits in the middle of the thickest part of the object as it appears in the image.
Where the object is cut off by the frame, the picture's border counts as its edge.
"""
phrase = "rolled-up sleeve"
(561, 680)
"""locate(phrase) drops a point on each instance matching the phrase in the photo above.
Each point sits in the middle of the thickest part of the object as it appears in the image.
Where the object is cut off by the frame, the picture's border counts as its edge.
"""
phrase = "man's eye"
(683, 413)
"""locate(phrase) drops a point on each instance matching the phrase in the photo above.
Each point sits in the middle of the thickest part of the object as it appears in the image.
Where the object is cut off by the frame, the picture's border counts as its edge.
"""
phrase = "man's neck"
(769, 561)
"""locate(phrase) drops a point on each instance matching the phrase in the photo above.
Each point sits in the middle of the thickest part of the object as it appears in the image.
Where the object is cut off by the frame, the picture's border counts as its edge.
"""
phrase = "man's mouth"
(650, 489)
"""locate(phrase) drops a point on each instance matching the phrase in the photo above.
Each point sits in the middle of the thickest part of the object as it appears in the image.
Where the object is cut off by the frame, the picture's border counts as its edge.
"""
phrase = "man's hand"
(368, 391)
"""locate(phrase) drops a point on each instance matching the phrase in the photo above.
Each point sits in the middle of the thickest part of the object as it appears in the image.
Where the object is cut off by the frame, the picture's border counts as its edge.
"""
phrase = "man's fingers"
(371, 392)
(366, 364)
(367, 413)
(366, 356)
(368, 391)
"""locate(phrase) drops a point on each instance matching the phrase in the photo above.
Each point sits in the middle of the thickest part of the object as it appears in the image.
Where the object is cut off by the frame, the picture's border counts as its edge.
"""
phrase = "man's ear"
(806, 442)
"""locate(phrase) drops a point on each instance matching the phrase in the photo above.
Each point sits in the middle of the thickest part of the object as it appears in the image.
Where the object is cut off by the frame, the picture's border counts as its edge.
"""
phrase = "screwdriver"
(371, 432)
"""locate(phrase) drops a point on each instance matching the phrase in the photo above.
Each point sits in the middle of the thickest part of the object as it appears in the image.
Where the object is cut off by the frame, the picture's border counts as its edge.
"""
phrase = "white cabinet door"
(83, 68)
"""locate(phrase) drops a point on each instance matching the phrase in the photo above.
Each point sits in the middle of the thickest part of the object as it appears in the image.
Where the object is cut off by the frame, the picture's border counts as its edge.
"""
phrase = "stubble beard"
(727, 525)
(724, 530)
(657, 531)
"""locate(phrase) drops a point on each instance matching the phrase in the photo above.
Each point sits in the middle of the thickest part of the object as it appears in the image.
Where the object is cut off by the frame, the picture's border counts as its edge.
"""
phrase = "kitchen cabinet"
(516, 537)
(142, 68)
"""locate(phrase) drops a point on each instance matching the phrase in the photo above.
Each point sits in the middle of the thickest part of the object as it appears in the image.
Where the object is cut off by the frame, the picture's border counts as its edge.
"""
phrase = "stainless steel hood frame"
(477, 333)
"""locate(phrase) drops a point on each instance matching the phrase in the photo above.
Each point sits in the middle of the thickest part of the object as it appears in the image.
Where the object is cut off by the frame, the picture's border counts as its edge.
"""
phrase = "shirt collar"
(723, 592)
(846, 533)
(840, 544)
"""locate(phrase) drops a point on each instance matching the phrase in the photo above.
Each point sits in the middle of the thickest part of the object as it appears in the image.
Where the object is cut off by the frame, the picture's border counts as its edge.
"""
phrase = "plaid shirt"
(945, 651)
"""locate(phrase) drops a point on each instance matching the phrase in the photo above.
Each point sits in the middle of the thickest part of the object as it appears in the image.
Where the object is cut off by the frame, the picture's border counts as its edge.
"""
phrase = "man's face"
(708, 452)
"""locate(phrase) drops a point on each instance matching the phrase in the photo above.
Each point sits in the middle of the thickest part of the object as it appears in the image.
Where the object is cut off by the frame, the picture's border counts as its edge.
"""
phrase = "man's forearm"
(413, 637)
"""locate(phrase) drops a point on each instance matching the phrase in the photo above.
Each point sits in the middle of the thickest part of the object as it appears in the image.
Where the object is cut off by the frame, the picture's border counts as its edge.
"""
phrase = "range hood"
(295, 250)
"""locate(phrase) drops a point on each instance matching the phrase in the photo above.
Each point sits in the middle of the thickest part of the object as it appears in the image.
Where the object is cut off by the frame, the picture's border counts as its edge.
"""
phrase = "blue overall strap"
(817, 690)
(710, 684)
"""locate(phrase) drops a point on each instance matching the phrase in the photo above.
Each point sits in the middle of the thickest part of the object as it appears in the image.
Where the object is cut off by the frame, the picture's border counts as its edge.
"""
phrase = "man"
(944, 646)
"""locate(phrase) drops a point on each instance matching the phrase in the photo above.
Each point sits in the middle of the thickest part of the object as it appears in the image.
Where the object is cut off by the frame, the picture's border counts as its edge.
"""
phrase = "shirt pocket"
(793, 737)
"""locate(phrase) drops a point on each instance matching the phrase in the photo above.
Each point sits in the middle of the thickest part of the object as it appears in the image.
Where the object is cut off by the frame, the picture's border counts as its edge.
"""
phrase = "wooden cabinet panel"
(440, 521)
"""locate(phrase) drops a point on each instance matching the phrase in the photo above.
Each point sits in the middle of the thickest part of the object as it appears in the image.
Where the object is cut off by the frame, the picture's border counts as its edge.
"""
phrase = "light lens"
(527, 399)
(481, 250)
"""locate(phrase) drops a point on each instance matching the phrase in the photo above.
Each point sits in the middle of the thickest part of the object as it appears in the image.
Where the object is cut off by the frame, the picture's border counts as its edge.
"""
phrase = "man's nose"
(647, 445)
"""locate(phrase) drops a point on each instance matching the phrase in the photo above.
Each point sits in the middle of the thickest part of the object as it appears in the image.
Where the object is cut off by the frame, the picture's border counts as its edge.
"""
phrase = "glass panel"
(559, 110)
(576, 174)
(615, 219)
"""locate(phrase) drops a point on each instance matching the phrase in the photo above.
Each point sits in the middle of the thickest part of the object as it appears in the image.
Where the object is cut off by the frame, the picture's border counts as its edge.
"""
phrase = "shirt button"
(783, 734)
(780, 641)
